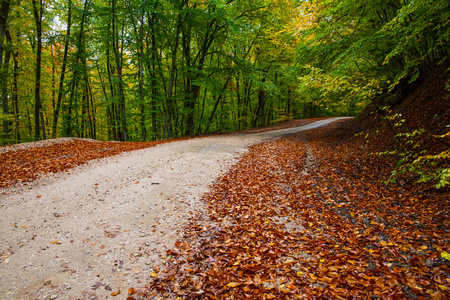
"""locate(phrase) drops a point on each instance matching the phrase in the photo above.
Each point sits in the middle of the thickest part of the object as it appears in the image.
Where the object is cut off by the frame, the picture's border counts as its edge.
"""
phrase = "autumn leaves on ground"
(306, 217)
(302, 217)
(26, 165)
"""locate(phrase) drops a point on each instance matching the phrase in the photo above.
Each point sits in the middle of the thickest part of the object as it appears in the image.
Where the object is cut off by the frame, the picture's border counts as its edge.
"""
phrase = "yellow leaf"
(55, 243)
(115, 293)
(351, 280)
(443, 287)
(287, 288)
(445, 255)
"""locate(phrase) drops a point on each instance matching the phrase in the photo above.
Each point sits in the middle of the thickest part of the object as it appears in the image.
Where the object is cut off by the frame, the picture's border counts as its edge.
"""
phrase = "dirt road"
(106, 226)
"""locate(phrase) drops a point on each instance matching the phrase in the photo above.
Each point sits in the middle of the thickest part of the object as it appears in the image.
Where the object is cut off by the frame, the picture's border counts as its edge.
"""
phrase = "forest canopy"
(142, 70)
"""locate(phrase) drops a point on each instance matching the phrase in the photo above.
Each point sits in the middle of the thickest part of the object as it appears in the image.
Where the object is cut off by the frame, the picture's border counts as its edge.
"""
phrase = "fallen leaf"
(234, 284)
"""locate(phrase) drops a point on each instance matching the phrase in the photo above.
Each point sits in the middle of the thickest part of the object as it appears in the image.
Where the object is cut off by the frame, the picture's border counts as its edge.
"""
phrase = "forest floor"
(307, 217)
(267, 214)
(86, 231)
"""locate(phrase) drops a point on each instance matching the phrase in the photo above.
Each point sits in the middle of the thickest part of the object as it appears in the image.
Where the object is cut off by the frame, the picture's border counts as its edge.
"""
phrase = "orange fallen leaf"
(115, 293)
(234, 284)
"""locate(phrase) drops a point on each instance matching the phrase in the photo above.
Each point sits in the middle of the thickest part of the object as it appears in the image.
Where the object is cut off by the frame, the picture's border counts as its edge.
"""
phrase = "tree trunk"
(37, 89)
(63, 71)
(115, 40)
(141, 74)
(154, 66)
(4, 87)
(154, 85)
(239, 104)
(15, 97)
(68, 128)
(224, 88)
(112, 108)
(4, 12)
(260, 112)
(189, 101)
(168, 118)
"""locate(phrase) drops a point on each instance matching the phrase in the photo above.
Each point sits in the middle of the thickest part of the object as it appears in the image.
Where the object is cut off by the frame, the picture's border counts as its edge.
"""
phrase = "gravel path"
(107, 225)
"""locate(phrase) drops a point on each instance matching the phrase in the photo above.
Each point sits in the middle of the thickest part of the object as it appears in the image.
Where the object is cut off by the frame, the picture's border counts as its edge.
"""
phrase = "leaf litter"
(274, 231)
(303, 217)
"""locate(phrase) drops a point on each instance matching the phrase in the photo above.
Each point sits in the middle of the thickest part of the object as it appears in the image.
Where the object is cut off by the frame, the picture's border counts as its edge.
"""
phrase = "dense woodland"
(141, 70)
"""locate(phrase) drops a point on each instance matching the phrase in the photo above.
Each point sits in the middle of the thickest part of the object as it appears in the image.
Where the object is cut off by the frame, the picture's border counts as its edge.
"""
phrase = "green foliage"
(413, 159)
(354, 51)
(357, 49)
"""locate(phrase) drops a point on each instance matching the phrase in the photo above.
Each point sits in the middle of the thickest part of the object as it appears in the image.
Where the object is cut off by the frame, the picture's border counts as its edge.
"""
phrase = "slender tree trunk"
(188, 95)
(15, 96)
(92, 116)
(53, 78)
(37, 90)
(63, 71)
(224, 88)
(173, 69)
(44, 133)
(117, 55)
(87, 115)
(239, 104)
(112, 109)
(151, 63)
(4, 12)
(154, 85)
(68, 128)
(108, 111)
(199, 130)
(84, 112)
(29, 123)
(4, 87)
(260, 113)
(141, 74)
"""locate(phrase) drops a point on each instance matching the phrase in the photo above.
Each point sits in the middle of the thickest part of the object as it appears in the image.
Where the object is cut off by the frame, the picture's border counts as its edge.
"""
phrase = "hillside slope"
(412, 121)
